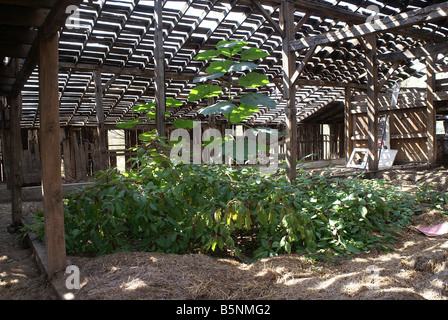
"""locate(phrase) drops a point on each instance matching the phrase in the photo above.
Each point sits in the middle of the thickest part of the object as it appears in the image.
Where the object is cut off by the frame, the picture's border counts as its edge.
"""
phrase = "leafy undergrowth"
(217, 210)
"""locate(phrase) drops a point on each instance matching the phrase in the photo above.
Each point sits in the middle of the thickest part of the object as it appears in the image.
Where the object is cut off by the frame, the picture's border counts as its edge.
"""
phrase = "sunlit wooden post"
(101, 129)
(159, 68)
(348, 127)
(431, 111)
(51, 154)
(289, 89)
(372, 102)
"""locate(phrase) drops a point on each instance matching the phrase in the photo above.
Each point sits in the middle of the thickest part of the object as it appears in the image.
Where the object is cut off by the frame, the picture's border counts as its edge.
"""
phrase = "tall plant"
(227, 59)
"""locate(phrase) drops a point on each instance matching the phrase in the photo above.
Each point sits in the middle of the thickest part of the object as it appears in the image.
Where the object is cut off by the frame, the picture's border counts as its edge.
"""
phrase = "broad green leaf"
(241, 113)
(253, 80)
(128, 124)
(147, 136)
(152, 115)
(256, 99)
(230, 48)
(352, 249)
(204, 91)
(209, 77)
(144, 107)
(242, 66)
(220, 107)
(173, 103)
(230, 44)
(219, 66)
(207, 55)
(253, 54)
(363, 211)
(184, 124)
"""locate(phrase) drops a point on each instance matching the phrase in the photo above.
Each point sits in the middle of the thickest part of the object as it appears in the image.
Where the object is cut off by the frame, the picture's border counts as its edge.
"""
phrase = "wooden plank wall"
(407, 123)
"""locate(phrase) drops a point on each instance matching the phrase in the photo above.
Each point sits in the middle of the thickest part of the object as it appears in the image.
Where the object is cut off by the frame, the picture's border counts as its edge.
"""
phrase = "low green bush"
(216, 209)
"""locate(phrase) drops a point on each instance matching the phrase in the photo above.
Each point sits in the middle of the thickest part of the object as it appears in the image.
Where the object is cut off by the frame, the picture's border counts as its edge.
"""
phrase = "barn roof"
(117, 38)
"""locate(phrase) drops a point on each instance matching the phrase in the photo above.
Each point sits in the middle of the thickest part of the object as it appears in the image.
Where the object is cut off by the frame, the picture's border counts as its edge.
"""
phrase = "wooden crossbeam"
(14, 50)
(22, 35)
(406, 19)
(302, 21)
(23, 16)
(388, 74)
(302, 64)
(268, 17)
(48, 28)
(88, 67)
(414, 53)
(325, 83)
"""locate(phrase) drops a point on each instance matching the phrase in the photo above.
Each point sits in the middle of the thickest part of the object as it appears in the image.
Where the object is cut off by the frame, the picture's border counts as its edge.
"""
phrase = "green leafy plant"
(233, 59)
(150, 109)
(214, 209)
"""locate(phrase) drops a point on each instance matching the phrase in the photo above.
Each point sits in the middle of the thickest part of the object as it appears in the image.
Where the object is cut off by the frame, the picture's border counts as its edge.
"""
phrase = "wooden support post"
(50, 154)
(15, 154)
(372, 102)
(431, 110)
(289, 89)
(159, 68)
(348, 119)
(101, 129)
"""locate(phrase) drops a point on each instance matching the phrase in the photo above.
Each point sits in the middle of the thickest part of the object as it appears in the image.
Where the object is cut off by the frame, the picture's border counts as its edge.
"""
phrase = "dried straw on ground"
(416, 269)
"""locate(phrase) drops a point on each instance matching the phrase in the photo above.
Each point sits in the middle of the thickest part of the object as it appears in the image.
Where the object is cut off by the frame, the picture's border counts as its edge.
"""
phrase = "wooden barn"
(71, 70)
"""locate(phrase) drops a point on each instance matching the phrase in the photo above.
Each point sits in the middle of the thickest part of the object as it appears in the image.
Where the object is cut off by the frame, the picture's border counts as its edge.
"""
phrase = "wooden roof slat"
(437, 11)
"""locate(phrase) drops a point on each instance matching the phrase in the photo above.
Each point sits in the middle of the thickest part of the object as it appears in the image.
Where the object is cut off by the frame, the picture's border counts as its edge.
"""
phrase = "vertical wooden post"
(5, 139)
(348, 119)
(51, 155)
(431, 110)
(15, 156)
(101, 129)
(159, 69)
(289, 90)
(372, 102)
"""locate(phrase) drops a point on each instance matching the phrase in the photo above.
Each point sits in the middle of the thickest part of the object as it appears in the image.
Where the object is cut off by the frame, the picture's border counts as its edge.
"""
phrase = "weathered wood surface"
(418, 16)
(289, 88)
(50, 154)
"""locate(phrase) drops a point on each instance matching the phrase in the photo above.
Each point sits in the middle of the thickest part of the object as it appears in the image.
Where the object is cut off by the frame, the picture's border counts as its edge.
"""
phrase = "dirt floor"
(416, 269)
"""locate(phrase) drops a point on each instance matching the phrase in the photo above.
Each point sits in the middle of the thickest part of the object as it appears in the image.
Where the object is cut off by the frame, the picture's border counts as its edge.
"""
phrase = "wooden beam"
(348, 127)
(31, 4)
(87, 67)
(430, 49)
(406, 19)
(20, 35)
(50, 154)
(268, 17)
(289, 92)
(159, 62)
(372, 103)
(57, 17)
(325, 83)
(15, 154)
(431, 109)
(54, 20)
(22, 16)
(388, 74)
(101, 129)
(14, 50)
(309, 54)
(302, 21)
